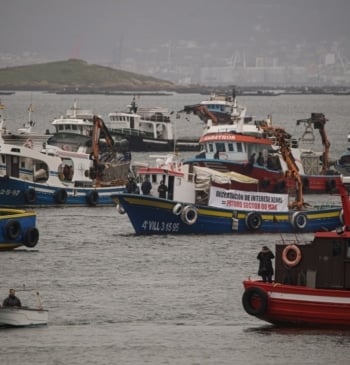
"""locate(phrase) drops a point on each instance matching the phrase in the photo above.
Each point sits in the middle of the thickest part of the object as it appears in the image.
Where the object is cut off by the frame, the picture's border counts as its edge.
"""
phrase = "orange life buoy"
(294, 252)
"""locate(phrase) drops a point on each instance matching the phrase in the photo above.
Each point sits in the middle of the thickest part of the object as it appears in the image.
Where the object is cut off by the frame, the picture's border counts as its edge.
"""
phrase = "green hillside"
(75, 74)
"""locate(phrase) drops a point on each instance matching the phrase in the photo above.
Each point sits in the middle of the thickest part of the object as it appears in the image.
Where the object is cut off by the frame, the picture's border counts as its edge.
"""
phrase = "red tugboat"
(312, 281)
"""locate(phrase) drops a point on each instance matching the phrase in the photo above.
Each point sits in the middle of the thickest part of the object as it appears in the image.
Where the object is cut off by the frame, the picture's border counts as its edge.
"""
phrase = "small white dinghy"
(24, 316)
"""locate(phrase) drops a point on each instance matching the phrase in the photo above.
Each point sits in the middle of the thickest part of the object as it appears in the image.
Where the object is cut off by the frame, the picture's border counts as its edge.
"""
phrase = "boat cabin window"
(230, 147)
(239, 147)
(66, 170)
(220, 147)
(40, 171)
(216, 107)
(210, 147)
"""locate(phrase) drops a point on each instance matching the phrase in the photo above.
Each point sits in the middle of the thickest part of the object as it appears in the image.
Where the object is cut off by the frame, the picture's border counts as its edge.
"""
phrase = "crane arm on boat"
(318, 120)
(282, 138)
(98, 126)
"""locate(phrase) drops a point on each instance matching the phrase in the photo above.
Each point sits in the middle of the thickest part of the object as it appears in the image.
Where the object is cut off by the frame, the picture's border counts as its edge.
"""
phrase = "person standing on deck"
(265, 264)
(162, 190)
(146, 186)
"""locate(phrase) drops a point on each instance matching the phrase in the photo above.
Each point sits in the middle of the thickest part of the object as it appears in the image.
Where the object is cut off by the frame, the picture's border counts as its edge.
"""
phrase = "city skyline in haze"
(129, 33)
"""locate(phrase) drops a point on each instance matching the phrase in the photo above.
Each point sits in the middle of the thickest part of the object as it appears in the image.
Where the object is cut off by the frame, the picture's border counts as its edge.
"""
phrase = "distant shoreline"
(203, 90)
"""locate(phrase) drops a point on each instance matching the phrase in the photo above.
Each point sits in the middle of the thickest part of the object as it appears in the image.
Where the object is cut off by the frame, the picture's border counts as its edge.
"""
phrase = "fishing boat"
(24, 316)
(58, 177)
(311, 287)
(202, 201)
(230, 147)
(148, 129)
(219, 108)
(17, 228)
(25, 135)
(73, 129)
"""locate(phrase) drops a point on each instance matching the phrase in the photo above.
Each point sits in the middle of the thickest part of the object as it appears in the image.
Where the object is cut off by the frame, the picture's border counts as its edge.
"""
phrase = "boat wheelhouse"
(73, 129)
(148, 129)
(236, 147)
(311, 287)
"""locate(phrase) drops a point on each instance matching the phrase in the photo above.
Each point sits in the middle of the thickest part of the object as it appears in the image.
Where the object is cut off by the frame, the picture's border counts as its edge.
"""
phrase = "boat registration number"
(159, 226)
(10, 192)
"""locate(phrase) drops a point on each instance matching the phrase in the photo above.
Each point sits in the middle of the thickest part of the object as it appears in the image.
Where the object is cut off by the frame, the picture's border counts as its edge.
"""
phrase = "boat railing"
(291, 241)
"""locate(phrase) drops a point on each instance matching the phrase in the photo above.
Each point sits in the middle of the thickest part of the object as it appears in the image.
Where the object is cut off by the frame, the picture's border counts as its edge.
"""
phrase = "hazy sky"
(93, 29)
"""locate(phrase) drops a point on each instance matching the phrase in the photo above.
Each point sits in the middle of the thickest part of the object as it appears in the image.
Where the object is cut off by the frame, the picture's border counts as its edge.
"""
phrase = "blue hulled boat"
(17, 228)
(201, 201)
(54, 176)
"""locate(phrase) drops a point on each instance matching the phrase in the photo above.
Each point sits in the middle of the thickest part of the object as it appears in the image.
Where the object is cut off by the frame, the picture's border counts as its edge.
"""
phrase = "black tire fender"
(13, 229)
(299, 220)
(253, 221)
(177, 209)
(255, 301)
(60, 196)
(92, 197)
(189, 215)
(30, 195)
(31, 237)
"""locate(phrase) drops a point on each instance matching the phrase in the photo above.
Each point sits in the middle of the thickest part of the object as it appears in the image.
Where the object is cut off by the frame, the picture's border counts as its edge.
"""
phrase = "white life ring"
(177, 209)
(189, 215)
(299, 220)
(296, 255)
(120, 209)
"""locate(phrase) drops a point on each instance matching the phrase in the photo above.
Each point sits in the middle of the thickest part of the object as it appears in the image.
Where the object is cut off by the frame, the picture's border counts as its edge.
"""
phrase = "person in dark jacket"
(252, 160)
(12, 300)
(265, 264)
(131, 186)
(146, 186)
(162, 190)
(260, 159)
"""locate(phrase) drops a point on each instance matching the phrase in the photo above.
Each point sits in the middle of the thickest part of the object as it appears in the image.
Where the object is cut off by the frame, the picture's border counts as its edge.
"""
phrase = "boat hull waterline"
(20, 193)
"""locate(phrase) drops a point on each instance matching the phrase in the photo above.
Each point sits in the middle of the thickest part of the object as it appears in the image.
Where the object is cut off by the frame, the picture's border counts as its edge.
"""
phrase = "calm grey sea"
(117, 298)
